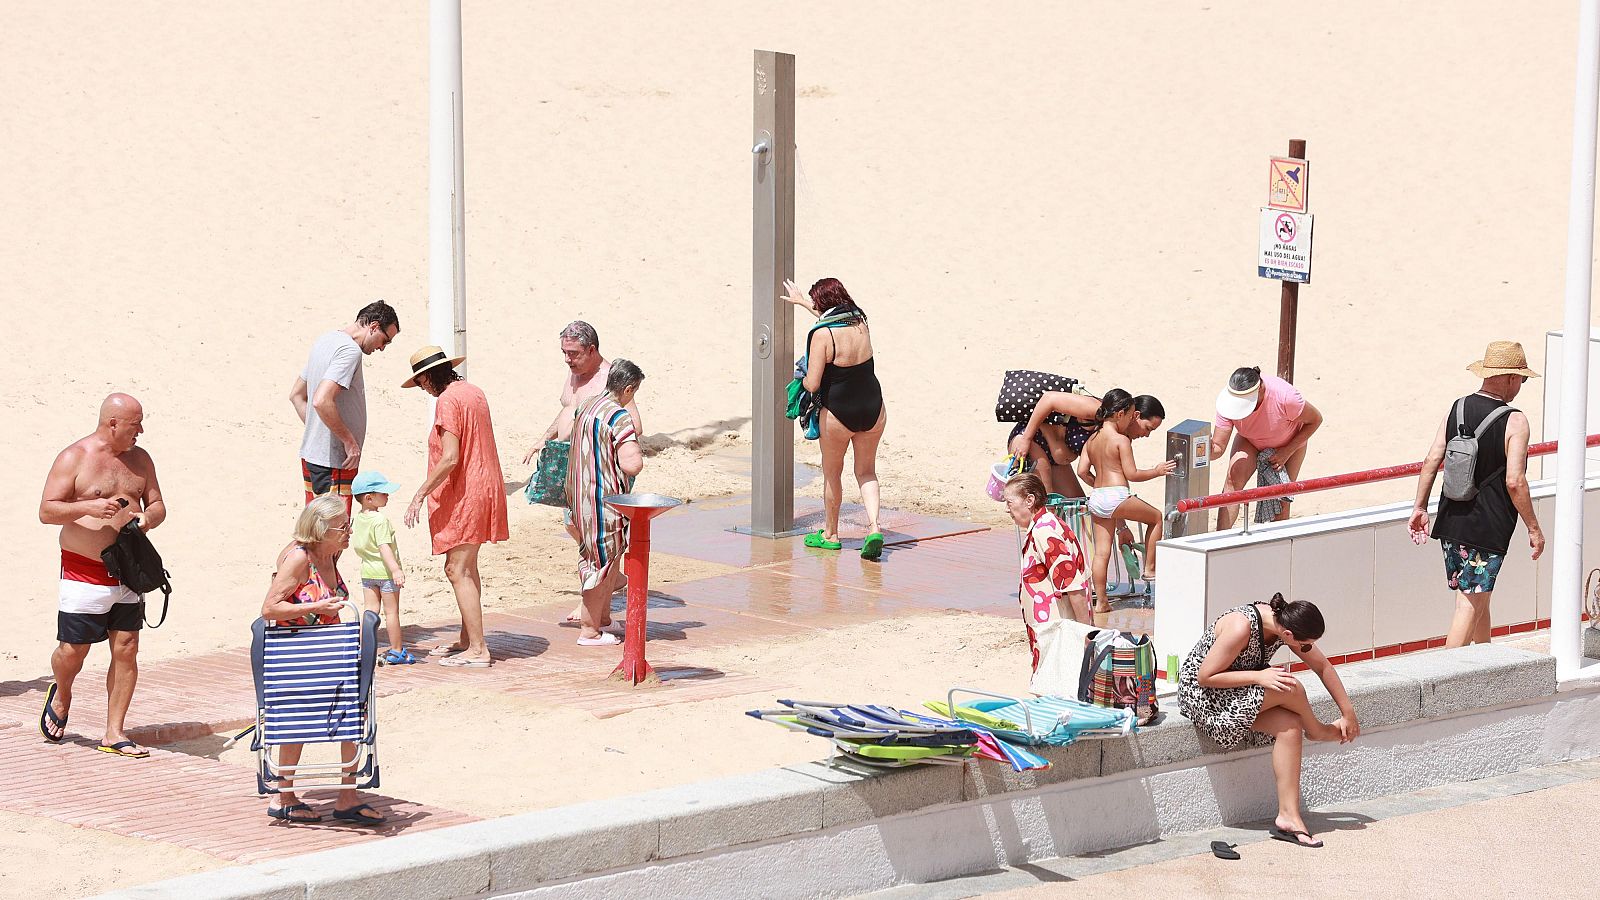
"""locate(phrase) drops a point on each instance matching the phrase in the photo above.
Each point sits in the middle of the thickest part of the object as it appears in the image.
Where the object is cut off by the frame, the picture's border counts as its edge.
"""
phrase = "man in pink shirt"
(1264, 414)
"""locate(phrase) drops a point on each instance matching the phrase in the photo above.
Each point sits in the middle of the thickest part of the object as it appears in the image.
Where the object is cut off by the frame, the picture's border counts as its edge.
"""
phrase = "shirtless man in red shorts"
(97, 485)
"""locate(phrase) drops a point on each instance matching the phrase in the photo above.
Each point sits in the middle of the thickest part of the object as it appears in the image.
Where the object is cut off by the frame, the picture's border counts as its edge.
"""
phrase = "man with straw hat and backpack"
(1482, 446)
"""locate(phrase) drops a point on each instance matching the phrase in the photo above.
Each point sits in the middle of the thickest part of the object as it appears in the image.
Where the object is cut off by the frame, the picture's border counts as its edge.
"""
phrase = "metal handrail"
(1329, 482)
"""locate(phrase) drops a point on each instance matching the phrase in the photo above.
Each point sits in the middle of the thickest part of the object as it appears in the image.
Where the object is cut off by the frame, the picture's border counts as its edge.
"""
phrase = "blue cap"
(373, 483)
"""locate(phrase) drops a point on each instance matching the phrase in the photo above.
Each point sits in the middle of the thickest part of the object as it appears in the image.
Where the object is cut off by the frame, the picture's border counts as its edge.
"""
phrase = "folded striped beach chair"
(314, 686)
(1054, 721)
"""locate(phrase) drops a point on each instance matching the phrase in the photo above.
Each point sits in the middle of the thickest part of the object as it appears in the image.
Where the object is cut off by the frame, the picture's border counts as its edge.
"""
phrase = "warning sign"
(1285, 246)
(1286, 184)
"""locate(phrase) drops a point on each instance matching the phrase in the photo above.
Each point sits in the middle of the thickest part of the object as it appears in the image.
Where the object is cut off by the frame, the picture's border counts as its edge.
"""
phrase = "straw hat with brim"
(1503, 358)
(427, 358)
(1232, 404)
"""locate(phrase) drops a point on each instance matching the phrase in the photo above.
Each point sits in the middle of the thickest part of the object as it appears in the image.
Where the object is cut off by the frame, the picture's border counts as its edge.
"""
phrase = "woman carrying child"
(372, 537)
(1107, 464)
(1052, 587)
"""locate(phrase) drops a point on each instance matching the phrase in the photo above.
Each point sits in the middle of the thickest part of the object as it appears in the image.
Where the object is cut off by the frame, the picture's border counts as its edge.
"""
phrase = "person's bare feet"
(447, 649)
(1297, 830)
(120, 745)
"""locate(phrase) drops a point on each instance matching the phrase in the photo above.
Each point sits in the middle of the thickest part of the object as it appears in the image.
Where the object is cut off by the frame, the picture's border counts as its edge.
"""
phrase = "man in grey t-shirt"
(331, 399)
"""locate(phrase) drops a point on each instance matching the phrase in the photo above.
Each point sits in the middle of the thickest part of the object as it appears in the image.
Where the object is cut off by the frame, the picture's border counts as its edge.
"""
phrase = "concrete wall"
(813, 831)
(1380, 593)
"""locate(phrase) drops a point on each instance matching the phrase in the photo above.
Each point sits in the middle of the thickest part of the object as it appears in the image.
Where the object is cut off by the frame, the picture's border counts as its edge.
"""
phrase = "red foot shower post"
(640, 509)
(1329, 482)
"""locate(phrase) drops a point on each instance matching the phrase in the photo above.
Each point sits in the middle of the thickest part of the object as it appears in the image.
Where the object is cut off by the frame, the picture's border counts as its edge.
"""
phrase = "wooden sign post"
(1289, 303)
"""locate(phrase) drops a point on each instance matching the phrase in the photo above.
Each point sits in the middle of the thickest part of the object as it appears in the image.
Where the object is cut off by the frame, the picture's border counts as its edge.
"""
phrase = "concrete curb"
(688, 824)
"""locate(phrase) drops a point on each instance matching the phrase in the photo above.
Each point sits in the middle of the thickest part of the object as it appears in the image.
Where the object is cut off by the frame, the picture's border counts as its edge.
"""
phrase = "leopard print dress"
(1226, 714)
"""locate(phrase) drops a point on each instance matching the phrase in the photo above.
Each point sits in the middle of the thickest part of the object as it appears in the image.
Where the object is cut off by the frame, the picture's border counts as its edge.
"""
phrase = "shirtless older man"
(97, 485)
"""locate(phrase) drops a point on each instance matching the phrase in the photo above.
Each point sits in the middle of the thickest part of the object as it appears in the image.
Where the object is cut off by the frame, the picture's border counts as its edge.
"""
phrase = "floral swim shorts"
(1470, 570)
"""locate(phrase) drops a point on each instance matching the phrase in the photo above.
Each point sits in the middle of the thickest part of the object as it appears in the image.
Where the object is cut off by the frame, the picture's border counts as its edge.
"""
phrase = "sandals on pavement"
(392, 657)
(445, 650)
(287, 813)
(122, 748)
(605, 639)
(461, 662)
(355, 815)
(1291, 836)
(48, 720)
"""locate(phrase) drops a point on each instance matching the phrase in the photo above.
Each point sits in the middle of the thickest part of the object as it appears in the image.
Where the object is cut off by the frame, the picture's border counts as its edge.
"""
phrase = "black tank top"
(1487, 520)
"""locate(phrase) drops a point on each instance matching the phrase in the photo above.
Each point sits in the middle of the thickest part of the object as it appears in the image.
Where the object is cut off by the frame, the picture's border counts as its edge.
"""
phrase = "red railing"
(1328, 482)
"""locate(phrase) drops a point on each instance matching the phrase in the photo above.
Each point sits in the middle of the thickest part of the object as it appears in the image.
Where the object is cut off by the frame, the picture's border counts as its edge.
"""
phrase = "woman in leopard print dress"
(1228, 690)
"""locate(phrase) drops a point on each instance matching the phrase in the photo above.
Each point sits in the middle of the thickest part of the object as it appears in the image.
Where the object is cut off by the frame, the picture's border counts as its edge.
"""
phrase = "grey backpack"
(1461, 453)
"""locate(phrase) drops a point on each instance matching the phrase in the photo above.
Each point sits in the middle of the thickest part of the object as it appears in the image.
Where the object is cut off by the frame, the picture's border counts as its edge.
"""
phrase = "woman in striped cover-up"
(308, 590)
(604, 459)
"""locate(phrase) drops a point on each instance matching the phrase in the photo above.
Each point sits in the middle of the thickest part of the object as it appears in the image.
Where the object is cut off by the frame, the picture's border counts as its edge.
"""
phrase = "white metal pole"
(1566, 601)
(447, 276)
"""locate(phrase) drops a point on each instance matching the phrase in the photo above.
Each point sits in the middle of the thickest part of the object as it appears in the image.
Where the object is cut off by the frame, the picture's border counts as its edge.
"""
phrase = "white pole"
(447, 274)
(1566, 601)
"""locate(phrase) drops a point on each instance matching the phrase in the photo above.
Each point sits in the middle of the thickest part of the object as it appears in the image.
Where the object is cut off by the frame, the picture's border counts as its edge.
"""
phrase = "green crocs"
(872, 548)
(814, 539)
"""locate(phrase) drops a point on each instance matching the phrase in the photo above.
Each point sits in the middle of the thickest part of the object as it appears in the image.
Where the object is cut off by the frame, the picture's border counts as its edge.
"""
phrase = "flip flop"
(814, 539)
(119, 749)
(444, 650)
(872, 548)
(460, 662)
(353, 815)
(1224, 850)
(287, 813)
(606, 639)
(1291, 836)
(49, 719)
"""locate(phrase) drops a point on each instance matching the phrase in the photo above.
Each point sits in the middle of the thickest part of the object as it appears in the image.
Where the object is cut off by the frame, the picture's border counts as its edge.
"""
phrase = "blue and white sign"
(1285, 246)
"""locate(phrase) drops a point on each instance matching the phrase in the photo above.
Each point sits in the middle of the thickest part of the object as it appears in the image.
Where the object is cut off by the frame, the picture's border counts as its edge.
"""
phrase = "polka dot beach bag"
(1021, 390)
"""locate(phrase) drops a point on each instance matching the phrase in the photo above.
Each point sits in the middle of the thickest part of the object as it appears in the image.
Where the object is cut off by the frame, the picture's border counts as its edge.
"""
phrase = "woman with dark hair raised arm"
(1229, 691)
(840, 372)
(1107, 464)
(465, 490)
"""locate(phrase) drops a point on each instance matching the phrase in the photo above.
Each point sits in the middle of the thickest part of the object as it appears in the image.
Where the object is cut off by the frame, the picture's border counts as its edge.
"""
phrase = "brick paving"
(781, 590)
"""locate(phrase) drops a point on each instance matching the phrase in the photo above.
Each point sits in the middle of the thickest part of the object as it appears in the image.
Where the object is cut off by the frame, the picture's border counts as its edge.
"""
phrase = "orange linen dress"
(470, 506)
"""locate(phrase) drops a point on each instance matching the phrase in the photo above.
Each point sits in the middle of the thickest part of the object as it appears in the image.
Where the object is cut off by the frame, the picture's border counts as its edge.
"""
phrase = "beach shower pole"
(772, 228)
(447, 235)
(1566, 600)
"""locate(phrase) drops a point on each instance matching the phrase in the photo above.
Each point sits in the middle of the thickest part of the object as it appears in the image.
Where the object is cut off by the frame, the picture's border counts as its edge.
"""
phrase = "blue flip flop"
(353, 815)
(392, 657)
(287, 814)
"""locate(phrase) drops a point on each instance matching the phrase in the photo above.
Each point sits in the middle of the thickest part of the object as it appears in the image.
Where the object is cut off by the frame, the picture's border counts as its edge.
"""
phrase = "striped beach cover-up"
(600, 428)
(311, 684)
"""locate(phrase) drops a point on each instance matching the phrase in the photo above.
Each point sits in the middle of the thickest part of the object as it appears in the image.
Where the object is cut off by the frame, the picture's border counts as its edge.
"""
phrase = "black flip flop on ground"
(287, 813)
(354, 815)
(1224, 850)
(1291, 836)
(48, 718)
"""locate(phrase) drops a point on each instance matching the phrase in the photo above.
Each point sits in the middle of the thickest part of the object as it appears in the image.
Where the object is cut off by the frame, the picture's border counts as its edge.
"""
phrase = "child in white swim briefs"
(372, 537)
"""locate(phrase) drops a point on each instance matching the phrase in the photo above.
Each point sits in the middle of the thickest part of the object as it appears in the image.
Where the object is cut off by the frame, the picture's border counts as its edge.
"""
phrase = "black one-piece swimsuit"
(851, 393)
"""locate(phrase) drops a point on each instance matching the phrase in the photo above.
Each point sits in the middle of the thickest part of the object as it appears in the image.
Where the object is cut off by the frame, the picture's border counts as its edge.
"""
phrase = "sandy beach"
(196, 192)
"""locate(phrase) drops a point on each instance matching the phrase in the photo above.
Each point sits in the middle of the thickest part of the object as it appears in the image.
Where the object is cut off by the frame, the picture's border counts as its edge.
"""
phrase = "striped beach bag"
(1119, 672)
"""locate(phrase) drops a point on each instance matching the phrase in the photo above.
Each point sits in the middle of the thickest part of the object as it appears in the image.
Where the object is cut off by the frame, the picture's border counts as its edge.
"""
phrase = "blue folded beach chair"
(314, 686)
(1055, 721)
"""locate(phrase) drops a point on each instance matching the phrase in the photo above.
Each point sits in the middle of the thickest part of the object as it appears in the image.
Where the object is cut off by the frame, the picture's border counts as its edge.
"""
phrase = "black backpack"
(133, 560)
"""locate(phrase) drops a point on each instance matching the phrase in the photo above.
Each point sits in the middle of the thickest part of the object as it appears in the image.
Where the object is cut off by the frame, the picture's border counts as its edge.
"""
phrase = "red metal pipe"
(1329, 482)
(633, 669)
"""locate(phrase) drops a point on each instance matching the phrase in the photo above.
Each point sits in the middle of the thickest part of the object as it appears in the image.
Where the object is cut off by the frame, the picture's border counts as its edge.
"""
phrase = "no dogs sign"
(1285, 246)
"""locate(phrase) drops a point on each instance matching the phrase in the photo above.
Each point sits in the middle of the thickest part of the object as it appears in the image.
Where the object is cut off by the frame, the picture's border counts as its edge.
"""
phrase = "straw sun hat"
(1503, 358)
(427, 358)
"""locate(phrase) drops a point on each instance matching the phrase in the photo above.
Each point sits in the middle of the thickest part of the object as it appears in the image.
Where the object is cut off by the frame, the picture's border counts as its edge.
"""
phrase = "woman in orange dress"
(465, 490)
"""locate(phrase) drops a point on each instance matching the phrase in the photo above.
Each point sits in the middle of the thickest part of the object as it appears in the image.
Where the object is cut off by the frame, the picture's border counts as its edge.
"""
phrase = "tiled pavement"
(783, 588)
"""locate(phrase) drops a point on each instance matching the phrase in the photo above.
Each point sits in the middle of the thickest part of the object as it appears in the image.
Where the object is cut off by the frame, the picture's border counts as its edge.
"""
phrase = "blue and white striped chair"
(314, 686)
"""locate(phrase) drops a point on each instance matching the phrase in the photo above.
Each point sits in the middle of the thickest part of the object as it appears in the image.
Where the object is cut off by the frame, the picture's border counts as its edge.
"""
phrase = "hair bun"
(1277, 602)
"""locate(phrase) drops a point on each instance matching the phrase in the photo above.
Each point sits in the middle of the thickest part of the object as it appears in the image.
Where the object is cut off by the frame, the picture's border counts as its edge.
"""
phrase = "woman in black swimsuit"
(840, 373)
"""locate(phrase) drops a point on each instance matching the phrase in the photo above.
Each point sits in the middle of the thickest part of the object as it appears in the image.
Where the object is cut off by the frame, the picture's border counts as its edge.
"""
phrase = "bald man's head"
(119, 406)
(121, 421)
